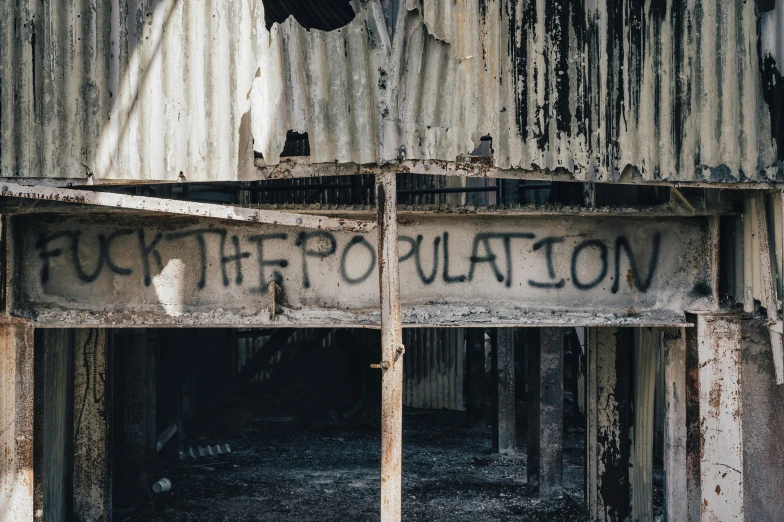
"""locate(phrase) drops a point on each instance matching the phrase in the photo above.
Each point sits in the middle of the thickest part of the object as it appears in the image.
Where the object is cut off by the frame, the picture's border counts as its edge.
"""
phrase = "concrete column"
(136, 363)
(92, 494)
(54, 423)
(504, 392)
(675, 465)
(391, 349)
(608, 422)
(16, 419)
(545, 410)
(647, 344)
(475, 365)
(720, 417)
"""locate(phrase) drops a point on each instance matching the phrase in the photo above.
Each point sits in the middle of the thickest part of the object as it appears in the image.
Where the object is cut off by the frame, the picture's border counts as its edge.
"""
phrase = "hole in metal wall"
(323, 15)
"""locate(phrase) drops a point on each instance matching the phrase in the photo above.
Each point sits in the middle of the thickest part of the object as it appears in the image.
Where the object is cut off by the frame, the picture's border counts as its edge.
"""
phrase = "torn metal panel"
(675, 91)
(684, 91)
(454, 270)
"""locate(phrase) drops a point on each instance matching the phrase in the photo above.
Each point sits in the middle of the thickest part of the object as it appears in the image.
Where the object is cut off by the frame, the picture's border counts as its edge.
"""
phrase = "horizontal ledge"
(184, 208)
(15, 206)
(444, 316)
(465, 166)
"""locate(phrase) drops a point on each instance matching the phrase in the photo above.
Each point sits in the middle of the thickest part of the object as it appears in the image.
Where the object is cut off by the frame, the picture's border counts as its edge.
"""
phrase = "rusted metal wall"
(433, 372)
(678, 90)
(127, 89)
(152, 89)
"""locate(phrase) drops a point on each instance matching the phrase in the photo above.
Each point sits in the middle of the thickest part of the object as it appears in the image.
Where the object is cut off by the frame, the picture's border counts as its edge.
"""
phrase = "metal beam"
(185, 208)
(391, 350)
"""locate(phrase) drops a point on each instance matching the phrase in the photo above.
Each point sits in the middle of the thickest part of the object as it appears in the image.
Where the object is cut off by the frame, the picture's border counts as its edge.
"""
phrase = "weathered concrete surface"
(189, 268)
(92, 405)
(721, 421)
(16, 422)
(763, 426)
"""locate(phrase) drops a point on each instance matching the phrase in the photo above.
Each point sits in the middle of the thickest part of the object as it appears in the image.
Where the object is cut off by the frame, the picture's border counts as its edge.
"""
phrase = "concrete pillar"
(92, 494)
(16, 419)
(135, 355)
(545, 410)
(608, 423)
(475, 365)
(391, 349)
(675, 464)
(647, 344)
(54, 423)
(504, 391)
(720, 417)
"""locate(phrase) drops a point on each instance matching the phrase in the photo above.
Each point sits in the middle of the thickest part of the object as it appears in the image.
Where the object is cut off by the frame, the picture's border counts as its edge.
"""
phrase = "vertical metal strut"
(391, 349)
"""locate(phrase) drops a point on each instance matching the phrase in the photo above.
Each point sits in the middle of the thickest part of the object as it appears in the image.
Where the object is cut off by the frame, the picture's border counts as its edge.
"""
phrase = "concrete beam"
(503, 370)
(92, 493)
(16, 420)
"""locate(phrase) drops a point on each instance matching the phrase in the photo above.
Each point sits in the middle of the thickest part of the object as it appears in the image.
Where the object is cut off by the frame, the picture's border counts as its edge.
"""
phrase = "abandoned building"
(476, 260)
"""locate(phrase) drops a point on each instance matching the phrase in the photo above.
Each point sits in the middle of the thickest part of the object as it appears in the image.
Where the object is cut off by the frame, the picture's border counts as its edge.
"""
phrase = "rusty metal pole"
(391, 349)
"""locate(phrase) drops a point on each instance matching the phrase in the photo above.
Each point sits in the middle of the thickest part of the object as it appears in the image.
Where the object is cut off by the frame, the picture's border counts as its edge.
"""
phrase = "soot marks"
(773, 93)
(323, 15)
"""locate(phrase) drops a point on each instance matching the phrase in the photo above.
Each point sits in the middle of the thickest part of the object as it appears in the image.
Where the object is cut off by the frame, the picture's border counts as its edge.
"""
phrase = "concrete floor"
(331, 472)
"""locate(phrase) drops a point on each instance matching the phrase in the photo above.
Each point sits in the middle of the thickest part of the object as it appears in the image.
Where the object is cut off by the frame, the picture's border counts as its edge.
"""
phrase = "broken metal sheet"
(134, 91)
(601, 90)
(559, 271)
(188, 208)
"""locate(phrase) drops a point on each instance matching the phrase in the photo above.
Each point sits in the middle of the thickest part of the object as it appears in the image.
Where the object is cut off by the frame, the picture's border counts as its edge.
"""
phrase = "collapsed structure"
(657, 129)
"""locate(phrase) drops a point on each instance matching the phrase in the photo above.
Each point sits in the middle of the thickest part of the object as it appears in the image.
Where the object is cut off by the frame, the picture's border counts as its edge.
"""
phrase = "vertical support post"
(675, 481)
(137, 365)
(648, 341)
(391, 349)
(475, 362)
(545, 412)
(769, 288)
(16, 419)
(721, 416)
(607, 430)
(504, 404)
(92, 494)
(55, 358)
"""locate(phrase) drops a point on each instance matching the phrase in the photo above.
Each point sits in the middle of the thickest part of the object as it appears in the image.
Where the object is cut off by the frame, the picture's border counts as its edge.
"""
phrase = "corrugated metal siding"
(675, 89)
(127, 89)
(149, 89)
(433, 368)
